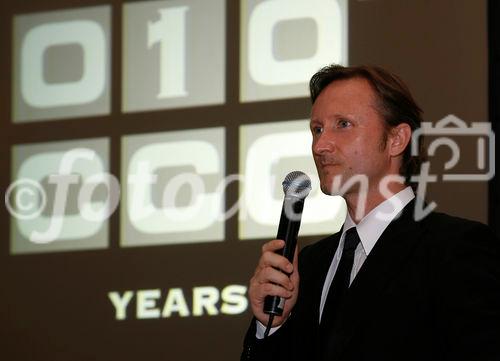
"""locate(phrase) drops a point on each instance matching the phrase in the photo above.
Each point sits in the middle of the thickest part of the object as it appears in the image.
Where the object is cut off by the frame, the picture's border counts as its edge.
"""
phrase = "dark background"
(54, 306)
(494, 93)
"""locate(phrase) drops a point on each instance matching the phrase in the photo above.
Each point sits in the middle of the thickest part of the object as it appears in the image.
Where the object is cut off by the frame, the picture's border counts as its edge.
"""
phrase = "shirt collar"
(371, 227)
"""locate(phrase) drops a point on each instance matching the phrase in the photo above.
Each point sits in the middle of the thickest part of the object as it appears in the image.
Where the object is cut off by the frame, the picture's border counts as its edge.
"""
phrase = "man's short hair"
(394, 103)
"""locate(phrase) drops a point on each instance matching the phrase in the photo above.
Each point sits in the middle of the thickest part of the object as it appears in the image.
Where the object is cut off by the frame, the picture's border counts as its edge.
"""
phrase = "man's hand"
(270, 279)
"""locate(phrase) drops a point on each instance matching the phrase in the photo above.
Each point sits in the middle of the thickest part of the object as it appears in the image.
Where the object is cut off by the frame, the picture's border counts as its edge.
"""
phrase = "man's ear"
(400, 136)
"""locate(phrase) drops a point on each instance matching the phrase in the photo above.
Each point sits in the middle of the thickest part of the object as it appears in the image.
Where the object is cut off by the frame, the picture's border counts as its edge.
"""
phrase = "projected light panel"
(61, 190)
(268, 152)
(61, 64)
(283, 43)
(174, 187)
(173, 54)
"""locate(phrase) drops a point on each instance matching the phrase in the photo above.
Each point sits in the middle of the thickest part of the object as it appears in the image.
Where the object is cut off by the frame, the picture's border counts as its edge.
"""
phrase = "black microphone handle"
(288, 230)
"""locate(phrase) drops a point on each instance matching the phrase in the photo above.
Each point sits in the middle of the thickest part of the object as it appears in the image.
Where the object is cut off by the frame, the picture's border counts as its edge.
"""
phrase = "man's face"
(348, 135)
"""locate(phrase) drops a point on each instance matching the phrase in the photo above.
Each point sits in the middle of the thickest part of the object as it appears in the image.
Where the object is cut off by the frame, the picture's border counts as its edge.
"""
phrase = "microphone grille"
(297, 184)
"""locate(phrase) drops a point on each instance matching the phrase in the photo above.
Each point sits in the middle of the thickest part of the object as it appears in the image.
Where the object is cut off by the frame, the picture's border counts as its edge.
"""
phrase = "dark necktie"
(338, 287)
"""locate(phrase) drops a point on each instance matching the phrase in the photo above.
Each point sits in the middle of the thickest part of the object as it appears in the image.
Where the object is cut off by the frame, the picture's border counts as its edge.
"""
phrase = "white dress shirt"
(370, 228)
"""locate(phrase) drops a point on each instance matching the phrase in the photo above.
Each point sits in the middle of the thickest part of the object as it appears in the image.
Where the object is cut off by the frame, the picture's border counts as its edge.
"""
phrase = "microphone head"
(297, 184)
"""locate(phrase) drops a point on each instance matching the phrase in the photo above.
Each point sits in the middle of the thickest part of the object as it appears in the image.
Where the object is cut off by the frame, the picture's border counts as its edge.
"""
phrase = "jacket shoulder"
(458, 240)
(445, 226)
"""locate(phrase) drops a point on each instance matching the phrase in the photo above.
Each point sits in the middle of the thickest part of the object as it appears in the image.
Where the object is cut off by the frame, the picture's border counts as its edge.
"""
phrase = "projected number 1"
(169, 32)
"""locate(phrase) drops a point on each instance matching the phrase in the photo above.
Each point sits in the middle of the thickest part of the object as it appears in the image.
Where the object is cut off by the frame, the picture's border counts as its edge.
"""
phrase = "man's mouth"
(328, 163)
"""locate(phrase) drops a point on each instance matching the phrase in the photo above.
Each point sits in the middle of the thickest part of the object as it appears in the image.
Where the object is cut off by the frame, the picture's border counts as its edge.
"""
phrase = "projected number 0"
(169, 32)
(36, 91)
(263, 66)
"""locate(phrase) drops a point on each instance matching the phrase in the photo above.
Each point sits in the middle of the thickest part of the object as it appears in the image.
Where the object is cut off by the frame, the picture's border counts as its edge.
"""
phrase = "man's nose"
(323, 144)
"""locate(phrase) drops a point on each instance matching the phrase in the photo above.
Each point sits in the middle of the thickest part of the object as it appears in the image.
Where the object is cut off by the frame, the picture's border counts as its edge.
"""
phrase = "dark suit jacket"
(429, 290)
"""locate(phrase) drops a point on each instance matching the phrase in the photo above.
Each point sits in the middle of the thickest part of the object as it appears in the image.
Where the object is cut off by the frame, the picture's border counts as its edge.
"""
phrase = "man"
(388, 286)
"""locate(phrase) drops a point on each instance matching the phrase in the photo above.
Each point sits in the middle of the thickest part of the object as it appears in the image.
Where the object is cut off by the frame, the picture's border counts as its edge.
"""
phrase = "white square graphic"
(173, 190)
(60, 196)
(284, 42)
(61, 64)
(173, 54)
(268, 152)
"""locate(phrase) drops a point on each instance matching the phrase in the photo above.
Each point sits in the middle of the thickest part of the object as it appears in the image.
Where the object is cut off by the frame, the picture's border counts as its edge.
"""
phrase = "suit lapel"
(389, 253)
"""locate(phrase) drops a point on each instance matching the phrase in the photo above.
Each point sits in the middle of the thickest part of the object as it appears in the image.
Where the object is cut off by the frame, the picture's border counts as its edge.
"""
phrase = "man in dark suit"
(391, 285)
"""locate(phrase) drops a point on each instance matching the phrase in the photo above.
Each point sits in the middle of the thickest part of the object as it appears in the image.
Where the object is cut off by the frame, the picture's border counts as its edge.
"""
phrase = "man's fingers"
(271, 259)
(269, 289)
(273, 245)
(271, 275)
(274, 276)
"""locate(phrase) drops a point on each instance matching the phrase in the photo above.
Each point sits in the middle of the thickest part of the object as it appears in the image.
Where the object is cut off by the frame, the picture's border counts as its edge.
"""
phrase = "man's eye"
(343, 123)
(317, 130)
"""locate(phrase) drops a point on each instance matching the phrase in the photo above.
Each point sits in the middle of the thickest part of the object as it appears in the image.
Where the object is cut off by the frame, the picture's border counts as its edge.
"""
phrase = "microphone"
(296, 187)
